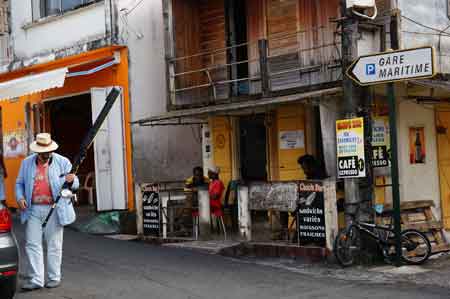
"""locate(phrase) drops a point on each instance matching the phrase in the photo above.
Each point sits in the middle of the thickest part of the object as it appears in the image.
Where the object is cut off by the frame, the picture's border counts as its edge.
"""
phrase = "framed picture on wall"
(14, 144)
(417, 149)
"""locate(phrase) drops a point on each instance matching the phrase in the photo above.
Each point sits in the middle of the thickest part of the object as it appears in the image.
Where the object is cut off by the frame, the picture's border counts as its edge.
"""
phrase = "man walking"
(38, 184)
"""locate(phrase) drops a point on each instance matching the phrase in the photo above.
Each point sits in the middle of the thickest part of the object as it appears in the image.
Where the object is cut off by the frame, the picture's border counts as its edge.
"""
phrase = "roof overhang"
(54, 78)
(237, 106)
(32, 84)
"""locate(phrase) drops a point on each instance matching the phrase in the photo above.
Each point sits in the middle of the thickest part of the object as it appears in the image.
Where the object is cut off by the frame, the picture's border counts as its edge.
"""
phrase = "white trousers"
(34, 237)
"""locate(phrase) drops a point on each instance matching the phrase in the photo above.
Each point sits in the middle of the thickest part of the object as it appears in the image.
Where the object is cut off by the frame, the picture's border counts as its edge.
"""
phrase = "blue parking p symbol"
(370, 69)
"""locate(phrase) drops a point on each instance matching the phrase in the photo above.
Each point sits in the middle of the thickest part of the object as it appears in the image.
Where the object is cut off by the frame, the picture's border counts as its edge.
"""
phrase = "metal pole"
(394, 153)
(394, 170)
(349, 50)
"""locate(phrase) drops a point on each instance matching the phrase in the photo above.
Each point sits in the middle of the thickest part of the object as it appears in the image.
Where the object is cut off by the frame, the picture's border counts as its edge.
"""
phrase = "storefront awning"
(32, 84)
(235, 106)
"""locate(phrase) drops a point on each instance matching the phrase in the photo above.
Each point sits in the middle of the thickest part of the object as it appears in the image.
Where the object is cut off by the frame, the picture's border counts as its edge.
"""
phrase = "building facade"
(265, 78)
(73, 53)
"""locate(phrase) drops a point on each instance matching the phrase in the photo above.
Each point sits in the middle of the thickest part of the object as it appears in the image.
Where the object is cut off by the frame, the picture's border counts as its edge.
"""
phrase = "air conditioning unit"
(366, 9)
(360, 3)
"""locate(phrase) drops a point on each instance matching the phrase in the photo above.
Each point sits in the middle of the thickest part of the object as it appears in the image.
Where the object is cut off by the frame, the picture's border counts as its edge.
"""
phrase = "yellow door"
(443, 120)
(221, 132)
(290, 121)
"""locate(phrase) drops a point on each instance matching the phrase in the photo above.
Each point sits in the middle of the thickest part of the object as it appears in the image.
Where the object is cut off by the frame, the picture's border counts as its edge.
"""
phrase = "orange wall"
(14, 113)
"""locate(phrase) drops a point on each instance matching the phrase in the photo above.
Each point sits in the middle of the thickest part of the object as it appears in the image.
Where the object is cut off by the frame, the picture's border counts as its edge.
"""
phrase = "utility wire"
(423, 33)
(440, 31)
(128, 11)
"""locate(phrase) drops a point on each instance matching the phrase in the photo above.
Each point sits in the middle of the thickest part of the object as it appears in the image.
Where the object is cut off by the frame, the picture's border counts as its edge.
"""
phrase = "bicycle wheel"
(416, 248)
(346, 246)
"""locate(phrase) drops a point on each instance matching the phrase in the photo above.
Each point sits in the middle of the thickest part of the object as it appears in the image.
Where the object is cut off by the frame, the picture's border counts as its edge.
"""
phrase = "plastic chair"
(88, 185)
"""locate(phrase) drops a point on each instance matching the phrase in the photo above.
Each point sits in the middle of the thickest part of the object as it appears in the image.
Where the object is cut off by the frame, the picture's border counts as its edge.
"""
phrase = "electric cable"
(440, 31)
(128, 11)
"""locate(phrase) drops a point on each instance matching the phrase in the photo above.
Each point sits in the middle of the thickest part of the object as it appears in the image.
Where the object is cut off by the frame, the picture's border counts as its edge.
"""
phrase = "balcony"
(280, 65)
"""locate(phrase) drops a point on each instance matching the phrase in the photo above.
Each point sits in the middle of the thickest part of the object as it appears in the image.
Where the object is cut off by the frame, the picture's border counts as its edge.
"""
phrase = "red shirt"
(42, 193)
(216, 189)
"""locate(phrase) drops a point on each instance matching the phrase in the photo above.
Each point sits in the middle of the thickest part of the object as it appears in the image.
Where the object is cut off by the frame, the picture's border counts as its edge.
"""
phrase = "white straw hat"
(214, 169)
(43, 144)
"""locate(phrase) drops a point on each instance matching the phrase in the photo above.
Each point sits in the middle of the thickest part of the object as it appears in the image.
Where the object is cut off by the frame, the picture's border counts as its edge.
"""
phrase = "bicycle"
(416, 248)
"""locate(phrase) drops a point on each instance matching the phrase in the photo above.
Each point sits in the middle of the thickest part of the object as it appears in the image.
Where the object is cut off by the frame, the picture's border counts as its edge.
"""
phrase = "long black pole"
(87, 142)
(394, 153)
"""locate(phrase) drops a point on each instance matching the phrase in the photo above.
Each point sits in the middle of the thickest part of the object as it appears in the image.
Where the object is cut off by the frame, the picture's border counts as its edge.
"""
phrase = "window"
(45, 8)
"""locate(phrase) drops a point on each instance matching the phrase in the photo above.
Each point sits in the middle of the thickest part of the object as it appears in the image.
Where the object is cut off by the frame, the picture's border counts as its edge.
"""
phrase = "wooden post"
(28, 125)
(264, 69)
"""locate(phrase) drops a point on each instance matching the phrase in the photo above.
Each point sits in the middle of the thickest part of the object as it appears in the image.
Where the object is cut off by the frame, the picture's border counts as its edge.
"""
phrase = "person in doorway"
(38, 184)
(311, 168)
(215, 190)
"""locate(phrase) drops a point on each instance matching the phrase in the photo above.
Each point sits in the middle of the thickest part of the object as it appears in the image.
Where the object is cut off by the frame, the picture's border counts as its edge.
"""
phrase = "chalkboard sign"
(311, 214)
(152, 215)
(278, 196)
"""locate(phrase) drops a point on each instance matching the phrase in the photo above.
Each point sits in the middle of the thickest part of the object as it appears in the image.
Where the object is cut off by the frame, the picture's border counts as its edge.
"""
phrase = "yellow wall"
(290, 118)
(14, 112)
(221, 133)
(443, 120)
(282, 163)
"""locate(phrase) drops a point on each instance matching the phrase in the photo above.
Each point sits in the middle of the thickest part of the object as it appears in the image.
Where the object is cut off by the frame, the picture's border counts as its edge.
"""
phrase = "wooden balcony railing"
(279, 64)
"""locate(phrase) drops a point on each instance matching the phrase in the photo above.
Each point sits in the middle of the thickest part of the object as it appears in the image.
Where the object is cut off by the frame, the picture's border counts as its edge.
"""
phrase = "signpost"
(390, 67)
(393, 66)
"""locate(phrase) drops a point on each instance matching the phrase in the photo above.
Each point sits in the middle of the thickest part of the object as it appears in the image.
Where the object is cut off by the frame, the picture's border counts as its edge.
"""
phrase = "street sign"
(393, 66)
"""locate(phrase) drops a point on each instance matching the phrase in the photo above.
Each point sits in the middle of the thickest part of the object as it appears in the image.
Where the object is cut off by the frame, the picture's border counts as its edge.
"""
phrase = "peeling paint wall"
(431, 13)
(160, 153)
(418, 181)
(77, 27)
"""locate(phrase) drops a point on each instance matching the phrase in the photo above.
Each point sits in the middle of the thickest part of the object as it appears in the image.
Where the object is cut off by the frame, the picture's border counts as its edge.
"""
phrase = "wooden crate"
(418, 215)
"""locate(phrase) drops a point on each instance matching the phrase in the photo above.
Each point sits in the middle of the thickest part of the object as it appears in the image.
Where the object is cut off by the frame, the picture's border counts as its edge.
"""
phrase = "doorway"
(68, 120)
(253, 148)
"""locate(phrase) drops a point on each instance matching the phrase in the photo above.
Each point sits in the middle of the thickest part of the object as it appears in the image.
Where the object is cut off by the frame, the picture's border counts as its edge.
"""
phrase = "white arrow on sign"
(393, 66)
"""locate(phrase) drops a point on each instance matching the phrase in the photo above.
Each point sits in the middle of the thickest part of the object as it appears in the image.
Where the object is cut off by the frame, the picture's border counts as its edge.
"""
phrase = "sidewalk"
(435, 272)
